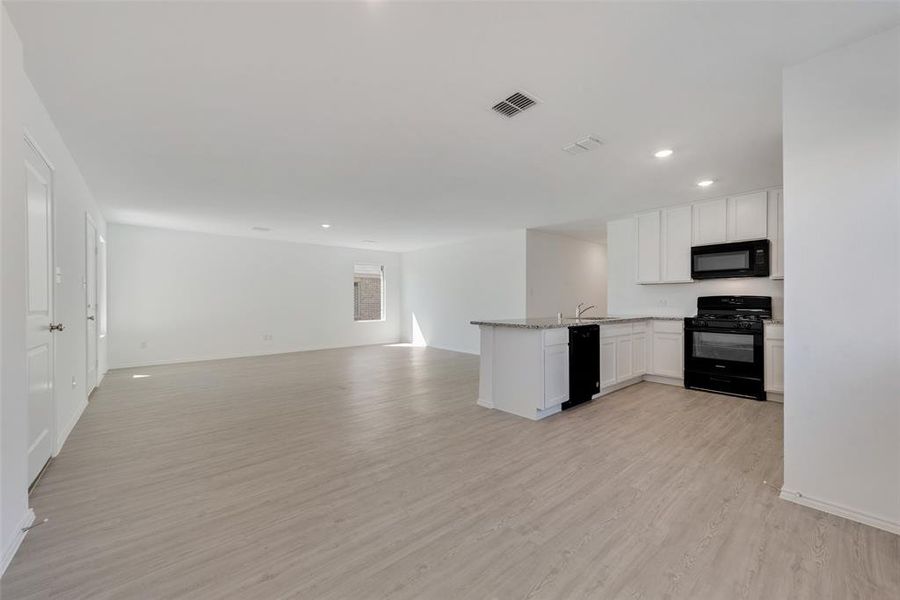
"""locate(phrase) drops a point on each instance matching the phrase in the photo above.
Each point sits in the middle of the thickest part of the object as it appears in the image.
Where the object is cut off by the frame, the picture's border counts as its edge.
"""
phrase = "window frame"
(380, 267)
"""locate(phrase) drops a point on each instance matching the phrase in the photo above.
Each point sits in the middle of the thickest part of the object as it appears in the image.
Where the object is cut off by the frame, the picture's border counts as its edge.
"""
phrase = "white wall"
(192, 296)
(842, 265)
(23, 111)
(13, 406)
(445, 287)
(561, 272)
(626, 297)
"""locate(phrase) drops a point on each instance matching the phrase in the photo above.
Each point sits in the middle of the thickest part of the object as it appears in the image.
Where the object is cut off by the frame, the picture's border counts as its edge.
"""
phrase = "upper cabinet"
(664, 245)
(710, 222)
(776, 234)
(676, 244)
(648, 248)
(664, 237)
(733, 219)
(747, 217)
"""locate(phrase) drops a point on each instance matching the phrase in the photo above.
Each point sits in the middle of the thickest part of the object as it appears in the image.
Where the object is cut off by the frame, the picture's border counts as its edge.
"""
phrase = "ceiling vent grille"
(514, 104)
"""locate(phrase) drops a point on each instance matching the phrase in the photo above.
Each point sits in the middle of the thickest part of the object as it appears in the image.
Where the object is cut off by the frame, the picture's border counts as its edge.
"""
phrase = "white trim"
(89, 221)
(840, 511)
(229, 356)
(37, 148)
(485, 403)
(64, 433)
(663, 379)
(10, 551)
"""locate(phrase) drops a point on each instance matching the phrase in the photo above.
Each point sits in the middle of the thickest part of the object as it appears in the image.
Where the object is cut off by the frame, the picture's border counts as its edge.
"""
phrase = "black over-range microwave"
(737, 259)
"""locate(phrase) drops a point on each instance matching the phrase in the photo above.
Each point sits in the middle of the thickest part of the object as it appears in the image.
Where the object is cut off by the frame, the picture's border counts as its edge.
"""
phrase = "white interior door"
(90, 297)
(39, 315)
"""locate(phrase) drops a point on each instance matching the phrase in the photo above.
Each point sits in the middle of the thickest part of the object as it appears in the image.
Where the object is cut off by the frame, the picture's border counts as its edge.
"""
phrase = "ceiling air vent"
(514, 104)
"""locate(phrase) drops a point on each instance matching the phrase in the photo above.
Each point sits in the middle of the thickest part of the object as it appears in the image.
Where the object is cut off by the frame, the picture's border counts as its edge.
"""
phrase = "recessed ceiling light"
(369, 242)
(664, 153)
(258, 228)
(326, 226)
(706, 182)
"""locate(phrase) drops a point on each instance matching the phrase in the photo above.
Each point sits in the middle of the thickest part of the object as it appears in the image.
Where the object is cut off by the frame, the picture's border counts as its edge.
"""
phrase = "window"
(368, 293)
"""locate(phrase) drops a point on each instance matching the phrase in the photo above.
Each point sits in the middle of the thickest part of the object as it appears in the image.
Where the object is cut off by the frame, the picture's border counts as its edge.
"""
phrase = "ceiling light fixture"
(664, 153)
(258, 228)
(706, 182)
(326, 226)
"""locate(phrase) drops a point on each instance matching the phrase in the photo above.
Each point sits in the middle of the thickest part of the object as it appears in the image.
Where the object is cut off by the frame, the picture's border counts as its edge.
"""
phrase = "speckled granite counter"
(553, 323)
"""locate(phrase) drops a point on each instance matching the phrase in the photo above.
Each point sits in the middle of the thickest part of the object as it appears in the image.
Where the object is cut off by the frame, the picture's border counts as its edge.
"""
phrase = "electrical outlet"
(143, 345)
(267, 337)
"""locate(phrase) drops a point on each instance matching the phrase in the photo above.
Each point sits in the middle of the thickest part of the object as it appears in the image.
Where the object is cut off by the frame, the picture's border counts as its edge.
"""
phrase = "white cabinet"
(773, 353)
(668, 349)
(710, 222)
(733, 219)
(607, 362)
(647, 236)
(664, 245)
(556, 374)
(623, 352)
(676, 244)
(624, 362)
(640, 348)
(776, 234)
(747, 217)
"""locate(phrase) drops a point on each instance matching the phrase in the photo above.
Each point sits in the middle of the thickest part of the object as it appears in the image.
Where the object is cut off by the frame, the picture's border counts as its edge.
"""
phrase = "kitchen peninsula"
(525, 362)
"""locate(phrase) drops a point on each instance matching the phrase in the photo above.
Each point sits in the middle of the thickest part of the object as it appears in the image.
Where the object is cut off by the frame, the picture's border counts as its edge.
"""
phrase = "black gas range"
(723, 345)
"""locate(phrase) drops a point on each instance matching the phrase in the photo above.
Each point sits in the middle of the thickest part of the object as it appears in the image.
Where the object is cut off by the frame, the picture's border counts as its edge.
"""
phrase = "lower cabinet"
(668, 349)
(607, 361)
(773, 353)
(556, 367)
(623, 352)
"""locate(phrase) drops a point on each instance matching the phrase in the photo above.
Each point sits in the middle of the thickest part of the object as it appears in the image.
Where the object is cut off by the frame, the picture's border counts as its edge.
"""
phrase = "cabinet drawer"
(553, 337)
(640, 326)
(607, 331)
(668, 326)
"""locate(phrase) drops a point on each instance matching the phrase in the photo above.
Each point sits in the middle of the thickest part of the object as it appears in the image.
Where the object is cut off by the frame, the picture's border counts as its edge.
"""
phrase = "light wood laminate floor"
(370, 473)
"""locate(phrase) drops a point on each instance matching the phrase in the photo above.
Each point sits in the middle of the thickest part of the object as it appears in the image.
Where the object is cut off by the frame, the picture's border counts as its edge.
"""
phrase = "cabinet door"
(648, 228)
(709, 222)
(676, 244)
(624, 352)
(774, 359)
(607, 362)
(776, 234)
(667, 354)
(747, 217)
(639, 354)
(556, 374)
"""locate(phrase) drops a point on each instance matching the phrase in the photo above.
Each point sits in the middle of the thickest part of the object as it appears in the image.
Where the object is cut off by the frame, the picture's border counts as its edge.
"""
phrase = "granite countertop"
(553, 323)
(774, 321)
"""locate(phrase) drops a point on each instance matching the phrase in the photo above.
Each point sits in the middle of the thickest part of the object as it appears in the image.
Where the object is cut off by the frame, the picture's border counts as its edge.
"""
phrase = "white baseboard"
(775, 397)
(230, 355)
(663, 379)
(485, 403)
(840, 511)
(10, 551)
(65, 431)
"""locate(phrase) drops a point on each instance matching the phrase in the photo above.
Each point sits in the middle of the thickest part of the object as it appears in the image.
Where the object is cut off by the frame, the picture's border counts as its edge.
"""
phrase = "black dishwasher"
(584, 364)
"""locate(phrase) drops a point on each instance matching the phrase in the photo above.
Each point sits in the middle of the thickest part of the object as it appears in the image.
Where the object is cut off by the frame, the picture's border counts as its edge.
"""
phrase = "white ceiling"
(375, 117)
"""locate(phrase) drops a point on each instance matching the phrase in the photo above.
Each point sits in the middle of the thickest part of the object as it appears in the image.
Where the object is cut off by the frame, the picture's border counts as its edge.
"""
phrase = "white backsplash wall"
(625, 297)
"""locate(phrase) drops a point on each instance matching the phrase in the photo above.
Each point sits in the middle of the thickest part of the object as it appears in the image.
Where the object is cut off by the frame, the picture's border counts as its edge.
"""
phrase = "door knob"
(91, 317)
(56, 327)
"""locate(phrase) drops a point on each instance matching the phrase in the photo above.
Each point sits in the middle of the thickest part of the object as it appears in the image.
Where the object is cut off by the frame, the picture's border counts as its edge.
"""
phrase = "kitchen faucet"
(580, 311)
